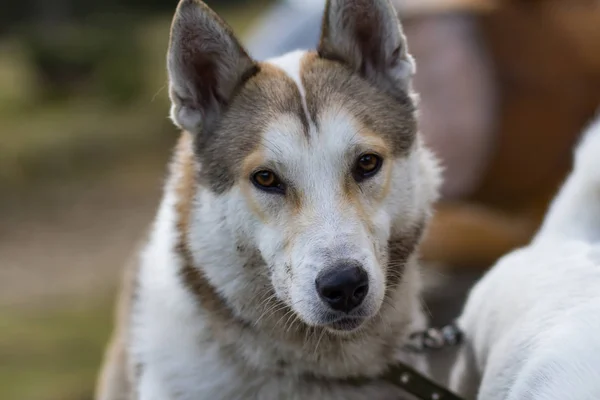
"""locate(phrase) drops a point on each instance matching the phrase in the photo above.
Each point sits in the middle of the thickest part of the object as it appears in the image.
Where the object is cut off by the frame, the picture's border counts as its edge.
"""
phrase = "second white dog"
(532, 324)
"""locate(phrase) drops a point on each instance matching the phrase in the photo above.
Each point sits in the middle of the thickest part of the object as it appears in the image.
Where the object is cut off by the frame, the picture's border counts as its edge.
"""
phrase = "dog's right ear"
(206, 63)
(366, 35)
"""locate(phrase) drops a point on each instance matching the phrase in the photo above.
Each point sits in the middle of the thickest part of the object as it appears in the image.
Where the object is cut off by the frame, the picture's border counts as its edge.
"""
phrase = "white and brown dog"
(282, 262)
(532, 323)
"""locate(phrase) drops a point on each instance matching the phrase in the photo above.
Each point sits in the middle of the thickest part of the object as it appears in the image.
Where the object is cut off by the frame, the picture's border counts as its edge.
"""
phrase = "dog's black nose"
(343, 287)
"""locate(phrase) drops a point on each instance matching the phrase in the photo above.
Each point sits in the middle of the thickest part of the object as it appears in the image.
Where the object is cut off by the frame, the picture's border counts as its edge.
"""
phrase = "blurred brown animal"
(515, 81)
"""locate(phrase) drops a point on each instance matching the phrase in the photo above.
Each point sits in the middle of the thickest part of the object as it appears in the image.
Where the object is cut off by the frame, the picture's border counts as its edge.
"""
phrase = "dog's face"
(314, 156)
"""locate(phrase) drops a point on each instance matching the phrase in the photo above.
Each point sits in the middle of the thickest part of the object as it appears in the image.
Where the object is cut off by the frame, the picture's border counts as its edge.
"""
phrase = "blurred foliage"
(73, 43)
(102, 59)
(16, 13)
(85, 92)
(105, 99)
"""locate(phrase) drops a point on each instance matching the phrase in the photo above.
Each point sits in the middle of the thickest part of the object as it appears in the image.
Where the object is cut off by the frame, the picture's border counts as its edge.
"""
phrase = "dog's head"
(311, 159)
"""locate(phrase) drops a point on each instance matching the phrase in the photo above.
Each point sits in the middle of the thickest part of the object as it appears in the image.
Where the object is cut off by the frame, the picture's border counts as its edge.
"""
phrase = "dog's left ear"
(206, 64)
(367, 36)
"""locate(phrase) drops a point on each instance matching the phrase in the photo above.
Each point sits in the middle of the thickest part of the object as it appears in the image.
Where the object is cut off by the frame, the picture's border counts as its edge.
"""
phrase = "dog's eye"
(367, 166)
(267, 181)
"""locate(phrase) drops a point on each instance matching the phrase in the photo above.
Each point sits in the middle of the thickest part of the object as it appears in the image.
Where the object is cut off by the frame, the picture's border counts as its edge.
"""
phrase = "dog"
(532, 322)
(283, 260)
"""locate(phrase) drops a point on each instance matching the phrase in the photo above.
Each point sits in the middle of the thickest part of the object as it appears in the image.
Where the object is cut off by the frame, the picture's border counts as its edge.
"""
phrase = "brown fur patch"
(400, 250)
(250, 164)
(265, 96)
(193, 278)
(331, 84)
(375, 142)
(116, 379)
(352, 197)
(295, 199)
(186, 185)
(386, 170)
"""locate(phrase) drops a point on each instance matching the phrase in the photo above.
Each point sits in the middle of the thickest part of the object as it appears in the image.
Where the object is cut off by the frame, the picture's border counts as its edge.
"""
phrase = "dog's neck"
(256, 330)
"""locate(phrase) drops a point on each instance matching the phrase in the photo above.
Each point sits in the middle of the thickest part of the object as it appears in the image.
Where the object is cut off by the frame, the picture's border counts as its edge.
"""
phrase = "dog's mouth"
(347, 324)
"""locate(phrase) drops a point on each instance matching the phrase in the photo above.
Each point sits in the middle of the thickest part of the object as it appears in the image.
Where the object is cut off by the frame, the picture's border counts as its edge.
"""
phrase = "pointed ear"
(206, 64)
(367, 36)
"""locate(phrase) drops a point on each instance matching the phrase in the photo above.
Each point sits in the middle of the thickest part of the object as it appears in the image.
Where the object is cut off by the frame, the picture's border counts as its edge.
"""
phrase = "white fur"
(291, 63)
(532, 323)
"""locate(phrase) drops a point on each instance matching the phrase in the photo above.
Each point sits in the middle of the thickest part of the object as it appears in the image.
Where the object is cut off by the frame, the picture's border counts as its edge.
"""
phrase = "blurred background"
(84, 138)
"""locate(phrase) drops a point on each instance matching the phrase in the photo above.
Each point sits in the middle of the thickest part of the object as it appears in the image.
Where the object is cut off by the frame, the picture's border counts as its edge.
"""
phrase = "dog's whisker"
(387, 301)
(273, 310)
(425, 307)
(287, 314)
(323, 332)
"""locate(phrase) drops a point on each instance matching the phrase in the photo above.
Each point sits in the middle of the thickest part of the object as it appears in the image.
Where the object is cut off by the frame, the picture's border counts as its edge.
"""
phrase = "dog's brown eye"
(267, 181)
(265, 178)
(367, 166)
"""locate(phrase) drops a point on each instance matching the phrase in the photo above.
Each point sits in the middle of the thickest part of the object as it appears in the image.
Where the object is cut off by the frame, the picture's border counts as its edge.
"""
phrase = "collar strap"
(412, 381)
(421, 342)
(409, 381)
(417, 384)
